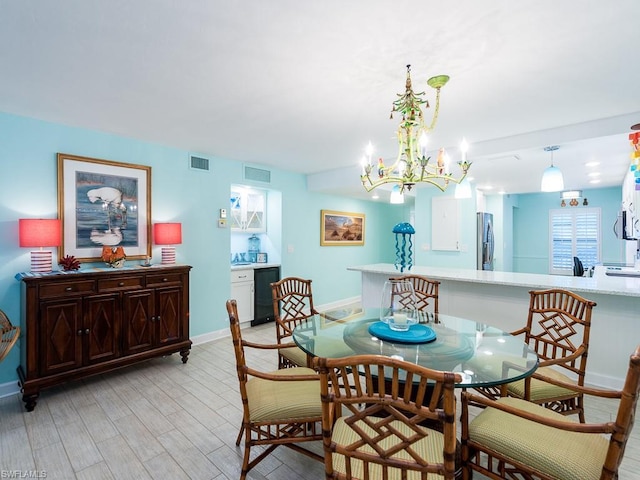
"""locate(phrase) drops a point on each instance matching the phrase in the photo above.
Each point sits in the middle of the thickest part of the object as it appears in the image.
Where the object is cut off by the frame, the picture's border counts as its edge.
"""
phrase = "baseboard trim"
(339, 304)
(218, 334)
(9, 388)
(603, 381)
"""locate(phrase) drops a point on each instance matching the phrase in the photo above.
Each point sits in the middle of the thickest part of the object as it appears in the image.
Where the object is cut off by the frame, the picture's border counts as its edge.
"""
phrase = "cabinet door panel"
(445, 224)
(60, 336)
(102, 328)
(243, 293)
(138, 321)
(169, 318)
(247, 210)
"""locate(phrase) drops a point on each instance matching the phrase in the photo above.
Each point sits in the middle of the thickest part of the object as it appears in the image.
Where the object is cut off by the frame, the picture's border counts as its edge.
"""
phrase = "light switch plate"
(223, 213)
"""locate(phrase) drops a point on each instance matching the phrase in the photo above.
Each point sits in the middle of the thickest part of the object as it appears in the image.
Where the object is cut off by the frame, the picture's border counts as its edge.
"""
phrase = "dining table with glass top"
(483, 355)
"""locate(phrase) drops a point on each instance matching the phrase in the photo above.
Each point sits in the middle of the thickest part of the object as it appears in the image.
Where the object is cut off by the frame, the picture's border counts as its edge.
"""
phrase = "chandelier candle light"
(412, 164)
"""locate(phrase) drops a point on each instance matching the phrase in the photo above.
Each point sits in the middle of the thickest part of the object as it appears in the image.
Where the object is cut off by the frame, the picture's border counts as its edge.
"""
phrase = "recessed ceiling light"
(594, 181)
(593, 174)
(591, 164)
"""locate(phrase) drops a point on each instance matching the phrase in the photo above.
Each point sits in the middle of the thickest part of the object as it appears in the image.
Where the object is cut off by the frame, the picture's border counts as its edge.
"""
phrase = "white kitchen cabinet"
(248, 212)
(243, 291)
(445, 224)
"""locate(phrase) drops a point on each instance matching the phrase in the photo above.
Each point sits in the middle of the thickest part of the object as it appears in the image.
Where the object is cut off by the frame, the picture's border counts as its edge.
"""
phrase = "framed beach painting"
(341, 228)
(103, 203)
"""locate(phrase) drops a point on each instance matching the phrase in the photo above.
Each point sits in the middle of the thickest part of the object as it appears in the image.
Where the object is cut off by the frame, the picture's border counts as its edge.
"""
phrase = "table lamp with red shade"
(168, 234)
(40, 232)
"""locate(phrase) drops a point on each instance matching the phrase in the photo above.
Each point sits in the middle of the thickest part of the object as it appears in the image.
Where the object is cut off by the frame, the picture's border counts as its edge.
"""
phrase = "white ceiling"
(303, 86)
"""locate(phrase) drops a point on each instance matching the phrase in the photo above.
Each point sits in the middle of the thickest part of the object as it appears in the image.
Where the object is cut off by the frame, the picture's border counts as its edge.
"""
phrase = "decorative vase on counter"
(113, 256)
(254, 248)
(404, 246)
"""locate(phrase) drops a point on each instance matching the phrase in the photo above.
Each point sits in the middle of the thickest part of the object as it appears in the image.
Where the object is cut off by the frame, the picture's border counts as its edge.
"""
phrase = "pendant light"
(463, 189)
(397, 197)
(552, 180)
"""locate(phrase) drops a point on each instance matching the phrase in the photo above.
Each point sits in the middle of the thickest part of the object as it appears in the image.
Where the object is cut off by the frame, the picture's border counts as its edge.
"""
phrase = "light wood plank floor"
(162, 419)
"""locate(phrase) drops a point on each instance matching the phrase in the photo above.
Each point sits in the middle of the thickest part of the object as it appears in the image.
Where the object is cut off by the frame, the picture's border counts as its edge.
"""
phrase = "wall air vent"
(257, 174)
(199, 163)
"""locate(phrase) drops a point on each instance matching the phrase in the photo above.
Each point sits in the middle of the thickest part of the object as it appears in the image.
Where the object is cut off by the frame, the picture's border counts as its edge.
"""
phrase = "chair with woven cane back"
(426, 292)
(10, 335)
(375, 412)
(279, 408)
(292, 305)
(558, 328)
(513, 438)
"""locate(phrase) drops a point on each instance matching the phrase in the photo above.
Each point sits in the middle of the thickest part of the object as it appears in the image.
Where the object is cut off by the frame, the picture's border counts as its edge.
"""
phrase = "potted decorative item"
(113, 256)
(69, 263)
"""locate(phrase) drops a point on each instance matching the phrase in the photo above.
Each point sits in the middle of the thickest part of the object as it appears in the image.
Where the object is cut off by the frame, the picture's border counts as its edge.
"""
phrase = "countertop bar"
(253, 266)
(601, 284)
(501, 299)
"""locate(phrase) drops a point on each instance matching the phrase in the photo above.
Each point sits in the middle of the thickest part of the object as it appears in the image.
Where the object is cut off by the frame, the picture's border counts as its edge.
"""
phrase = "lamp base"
(41, 261)
(168, 255)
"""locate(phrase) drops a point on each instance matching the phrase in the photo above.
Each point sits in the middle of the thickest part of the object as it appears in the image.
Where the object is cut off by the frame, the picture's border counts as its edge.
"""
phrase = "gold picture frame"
(103, 203)
(341, 228)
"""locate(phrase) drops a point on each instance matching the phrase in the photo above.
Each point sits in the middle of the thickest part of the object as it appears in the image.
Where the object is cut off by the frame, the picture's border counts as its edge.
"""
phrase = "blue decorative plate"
(417, 333)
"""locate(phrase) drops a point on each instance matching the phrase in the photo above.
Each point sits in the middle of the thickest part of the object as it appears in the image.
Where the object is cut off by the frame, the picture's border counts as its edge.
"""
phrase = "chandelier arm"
(436, 111)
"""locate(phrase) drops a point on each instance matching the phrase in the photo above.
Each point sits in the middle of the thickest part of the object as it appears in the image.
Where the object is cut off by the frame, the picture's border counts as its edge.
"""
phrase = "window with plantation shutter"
(573, 233)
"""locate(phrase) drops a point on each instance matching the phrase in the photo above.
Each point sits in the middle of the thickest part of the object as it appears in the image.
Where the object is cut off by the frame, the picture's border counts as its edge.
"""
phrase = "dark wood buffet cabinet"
(85, 323)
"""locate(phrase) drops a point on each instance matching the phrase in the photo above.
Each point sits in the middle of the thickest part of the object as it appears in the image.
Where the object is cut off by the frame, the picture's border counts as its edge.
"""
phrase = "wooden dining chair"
(426, 292)
(373, 427)
(512, 438)
(292, 305)
(557, 329)
(10, 335)
(278, 408)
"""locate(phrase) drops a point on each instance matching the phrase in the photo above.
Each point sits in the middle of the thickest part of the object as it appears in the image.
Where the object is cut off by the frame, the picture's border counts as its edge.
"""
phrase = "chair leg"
(240, 435)
(245, 459)
(580, 402)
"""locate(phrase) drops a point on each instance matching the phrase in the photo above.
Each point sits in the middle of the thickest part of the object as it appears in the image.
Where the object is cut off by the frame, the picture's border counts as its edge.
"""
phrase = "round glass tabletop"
(482, 354)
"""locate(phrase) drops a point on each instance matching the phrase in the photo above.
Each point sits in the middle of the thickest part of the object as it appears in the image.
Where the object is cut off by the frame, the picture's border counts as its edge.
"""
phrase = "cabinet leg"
(30, 401)
(184, 353)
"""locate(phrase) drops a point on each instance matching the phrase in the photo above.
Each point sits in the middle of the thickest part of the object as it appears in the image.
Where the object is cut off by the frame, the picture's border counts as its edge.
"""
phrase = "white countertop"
(601, 284)
(253, 266)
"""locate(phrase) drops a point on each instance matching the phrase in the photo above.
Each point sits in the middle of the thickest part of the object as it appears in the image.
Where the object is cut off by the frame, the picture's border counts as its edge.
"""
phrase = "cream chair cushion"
(269, 400)
(295, 355)
(329, 347)
(429, 447)
(559, 454)
(541, 390)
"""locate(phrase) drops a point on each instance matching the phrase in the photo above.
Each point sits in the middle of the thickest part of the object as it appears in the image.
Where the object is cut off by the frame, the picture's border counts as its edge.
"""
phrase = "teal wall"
(521, 225)
(531, 227)
(28, 189)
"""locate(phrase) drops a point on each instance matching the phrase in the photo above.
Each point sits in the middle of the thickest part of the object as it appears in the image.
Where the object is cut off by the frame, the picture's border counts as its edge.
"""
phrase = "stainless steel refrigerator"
(485, 242)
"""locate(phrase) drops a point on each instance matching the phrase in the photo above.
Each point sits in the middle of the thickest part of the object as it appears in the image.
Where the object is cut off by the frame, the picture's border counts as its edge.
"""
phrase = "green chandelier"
(412, 164)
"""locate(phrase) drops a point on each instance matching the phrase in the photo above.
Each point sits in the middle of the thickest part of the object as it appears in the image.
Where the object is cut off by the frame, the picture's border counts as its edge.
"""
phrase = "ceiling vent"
(198, 163)
(257, 174)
